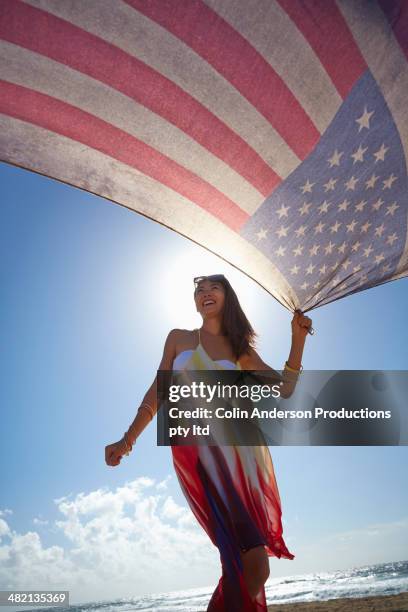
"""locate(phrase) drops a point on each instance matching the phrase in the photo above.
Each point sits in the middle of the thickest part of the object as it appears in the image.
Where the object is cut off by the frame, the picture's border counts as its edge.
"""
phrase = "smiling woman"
(215, 298)
(231, 490)
(213, 293)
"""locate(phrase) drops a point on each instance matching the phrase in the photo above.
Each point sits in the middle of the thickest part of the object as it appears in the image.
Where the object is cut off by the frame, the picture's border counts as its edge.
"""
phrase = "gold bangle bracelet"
(287, 367)
(129, 446)
(149, 410)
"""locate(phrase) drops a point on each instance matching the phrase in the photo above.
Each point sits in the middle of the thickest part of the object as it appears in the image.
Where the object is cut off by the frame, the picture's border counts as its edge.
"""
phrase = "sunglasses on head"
(212, 277)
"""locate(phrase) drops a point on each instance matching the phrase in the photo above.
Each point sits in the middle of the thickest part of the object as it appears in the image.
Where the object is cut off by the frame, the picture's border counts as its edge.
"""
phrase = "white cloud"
(133, 540)
(5, 511)
(171, 510)
(136, 539)
(163, 483)
(39, 521)
(4, 528)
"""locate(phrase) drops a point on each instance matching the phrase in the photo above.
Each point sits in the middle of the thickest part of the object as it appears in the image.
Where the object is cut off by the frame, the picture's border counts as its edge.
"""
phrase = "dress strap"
(199, 338)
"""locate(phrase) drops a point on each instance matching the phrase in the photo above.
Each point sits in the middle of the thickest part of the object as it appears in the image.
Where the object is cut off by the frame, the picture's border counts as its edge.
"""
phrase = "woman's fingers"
(107, 455)
(111, 456)
(302, 319)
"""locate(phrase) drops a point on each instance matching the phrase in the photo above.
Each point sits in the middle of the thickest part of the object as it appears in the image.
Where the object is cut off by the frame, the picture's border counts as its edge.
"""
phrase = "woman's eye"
(212, 287)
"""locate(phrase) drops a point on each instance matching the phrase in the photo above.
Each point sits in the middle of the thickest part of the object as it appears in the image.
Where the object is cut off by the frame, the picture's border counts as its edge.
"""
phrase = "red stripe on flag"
(324, 28)
(64, 42)
(397, 14)
(62, 118)
(232, 56)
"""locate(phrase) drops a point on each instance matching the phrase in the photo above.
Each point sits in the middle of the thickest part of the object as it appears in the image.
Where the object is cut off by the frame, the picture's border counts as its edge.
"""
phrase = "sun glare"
(192, 261)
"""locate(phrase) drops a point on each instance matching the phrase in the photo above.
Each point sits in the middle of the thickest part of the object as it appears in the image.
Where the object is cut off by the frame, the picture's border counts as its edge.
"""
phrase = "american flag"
(274, 133)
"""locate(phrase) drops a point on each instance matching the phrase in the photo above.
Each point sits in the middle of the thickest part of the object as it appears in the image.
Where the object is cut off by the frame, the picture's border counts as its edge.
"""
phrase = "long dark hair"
(235, 324)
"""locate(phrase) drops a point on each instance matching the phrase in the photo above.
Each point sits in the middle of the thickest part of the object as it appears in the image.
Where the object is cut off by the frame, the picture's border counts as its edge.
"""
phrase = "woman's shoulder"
(178, 332)
(180, 340)
(176, 341)
(180, 336)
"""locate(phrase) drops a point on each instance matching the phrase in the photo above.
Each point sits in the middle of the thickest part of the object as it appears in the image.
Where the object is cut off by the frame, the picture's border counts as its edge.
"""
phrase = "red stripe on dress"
(67, 120)
(323, 26)
(396, 13)
(72, 46)
(244, 67)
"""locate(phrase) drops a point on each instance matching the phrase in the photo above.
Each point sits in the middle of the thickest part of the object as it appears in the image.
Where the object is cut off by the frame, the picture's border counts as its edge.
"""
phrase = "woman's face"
(209, 298)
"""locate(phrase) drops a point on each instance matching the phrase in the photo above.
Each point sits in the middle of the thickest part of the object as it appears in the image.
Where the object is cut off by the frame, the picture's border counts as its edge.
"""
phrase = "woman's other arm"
(114, 452)
(143, 416)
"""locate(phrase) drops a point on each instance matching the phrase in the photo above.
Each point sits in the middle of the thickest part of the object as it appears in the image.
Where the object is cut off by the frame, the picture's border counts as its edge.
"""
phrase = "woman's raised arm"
(292, 368)
(252, 361)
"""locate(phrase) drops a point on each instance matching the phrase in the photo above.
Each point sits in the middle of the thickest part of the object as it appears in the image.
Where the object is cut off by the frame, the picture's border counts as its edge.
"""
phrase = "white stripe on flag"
(64, 159)
(295, 62)
(143, 38)
(23, 67)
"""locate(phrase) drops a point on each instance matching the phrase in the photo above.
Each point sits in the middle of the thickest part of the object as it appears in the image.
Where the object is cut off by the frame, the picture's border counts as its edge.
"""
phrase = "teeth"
(208, 302)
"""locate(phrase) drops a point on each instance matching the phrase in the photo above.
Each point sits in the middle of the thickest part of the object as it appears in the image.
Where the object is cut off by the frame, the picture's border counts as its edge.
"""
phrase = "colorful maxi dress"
(233, 493)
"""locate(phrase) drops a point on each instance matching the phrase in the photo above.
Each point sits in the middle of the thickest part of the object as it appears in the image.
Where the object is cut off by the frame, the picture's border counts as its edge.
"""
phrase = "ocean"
(369, 580)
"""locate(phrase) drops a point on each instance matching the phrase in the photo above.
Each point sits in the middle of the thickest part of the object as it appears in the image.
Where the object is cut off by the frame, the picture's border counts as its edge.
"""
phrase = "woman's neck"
(213, 326)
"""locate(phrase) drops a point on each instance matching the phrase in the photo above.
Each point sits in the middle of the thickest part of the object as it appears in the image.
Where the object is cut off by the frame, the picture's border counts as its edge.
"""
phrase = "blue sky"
(89, 293)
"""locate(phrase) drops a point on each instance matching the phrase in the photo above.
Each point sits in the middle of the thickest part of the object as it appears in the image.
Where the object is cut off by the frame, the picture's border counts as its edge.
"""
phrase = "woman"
(239, 508)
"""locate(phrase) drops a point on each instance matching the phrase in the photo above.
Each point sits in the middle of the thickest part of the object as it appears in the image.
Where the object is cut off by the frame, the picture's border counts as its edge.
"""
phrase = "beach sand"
(348, 604)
